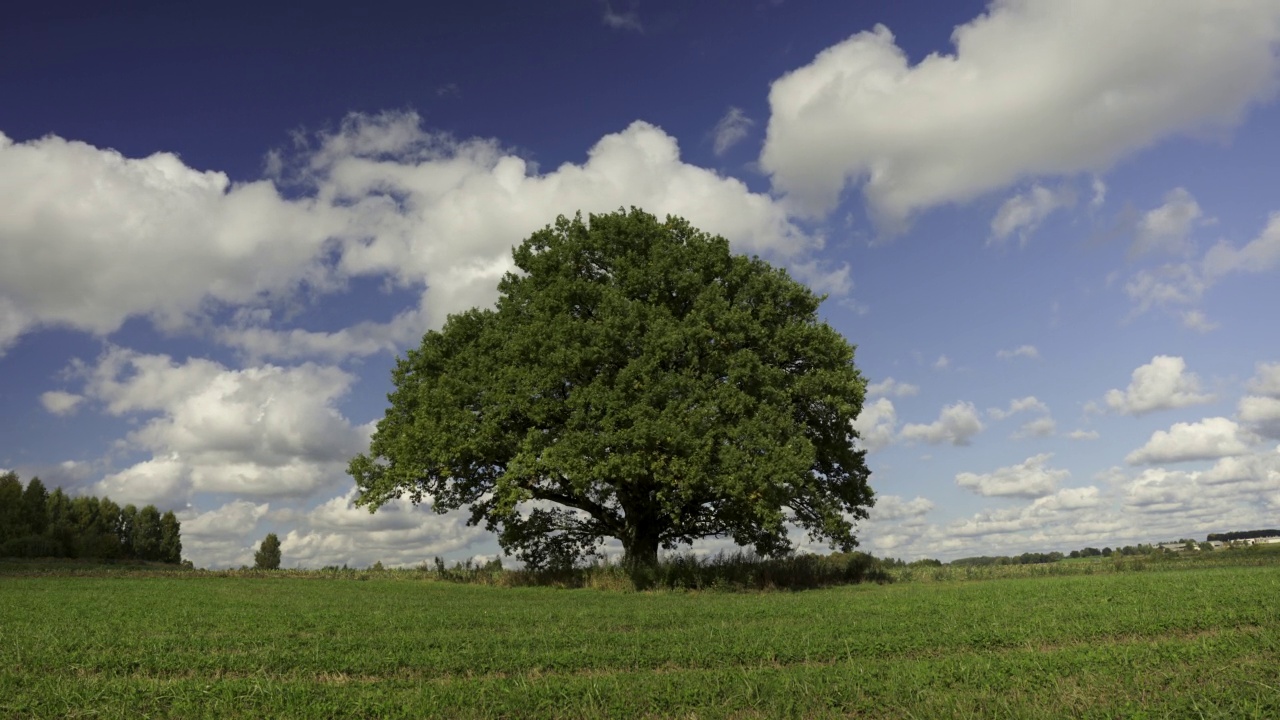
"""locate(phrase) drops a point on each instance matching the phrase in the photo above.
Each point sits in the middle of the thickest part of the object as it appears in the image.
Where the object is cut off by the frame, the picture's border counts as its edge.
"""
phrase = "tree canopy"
(268, 555)
(636, 381)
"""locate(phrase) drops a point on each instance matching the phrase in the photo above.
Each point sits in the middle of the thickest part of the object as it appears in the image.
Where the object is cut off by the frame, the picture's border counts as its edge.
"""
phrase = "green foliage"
(11, 525)
(146, 534)
(170, 538)
(51, 524)
(268, 555)
(639, 382)
(35, 512)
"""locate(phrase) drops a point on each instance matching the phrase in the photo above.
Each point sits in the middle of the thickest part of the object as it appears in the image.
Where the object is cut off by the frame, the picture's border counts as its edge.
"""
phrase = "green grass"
(1194, 641)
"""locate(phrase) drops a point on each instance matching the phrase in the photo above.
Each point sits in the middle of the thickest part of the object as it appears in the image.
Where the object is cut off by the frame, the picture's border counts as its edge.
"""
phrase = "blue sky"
(1050, 228)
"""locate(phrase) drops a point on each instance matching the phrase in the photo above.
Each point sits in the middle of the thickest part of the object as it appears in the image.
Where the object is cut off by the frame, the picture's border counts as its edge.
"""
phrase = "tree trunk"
(641, 559)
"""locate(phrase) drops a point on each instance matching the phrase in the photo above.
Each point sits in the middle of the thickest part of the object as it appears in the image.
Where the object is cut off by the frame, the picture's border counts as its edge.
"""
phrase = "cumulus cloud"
(224, 536)
(1207, 439)
(1031, 478)
(1185, 283)
(1198, 321)
(1034, 88)
(1024, 212)
(889, 386)
(94, 238)
(1029, 403)
(621, 20)
(942, 363)
(1261, 414)
(1040, 427)
(893, 508)
(398, 534)
(876, 424)
(1167, 229)
(731, 130)
(1025, 351)
(59, 402)
(1161, 384)
(956, 424)
(264, 431)
(1084, 435)
(1243, 487)
(450, 211)
(1060, 510)
(1266, 380)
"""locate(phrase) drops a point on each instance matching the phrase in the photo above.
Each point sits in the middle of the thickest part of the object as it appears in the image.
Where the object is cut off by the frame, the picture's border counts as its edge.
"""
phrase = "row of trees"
(1243, 535)
(37, 523)
(1030, 558)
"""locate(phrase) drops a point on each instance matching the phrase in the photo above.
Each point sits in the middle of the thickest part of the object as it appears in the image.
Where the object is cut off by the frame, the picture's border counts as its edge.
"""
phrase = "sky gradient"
(1051, 229)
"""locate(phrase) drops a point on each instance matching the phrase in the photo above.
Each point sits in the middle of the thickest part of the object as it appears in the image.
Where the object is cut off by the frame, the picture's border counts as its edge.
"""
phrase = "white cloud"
(1266, 379)
(1171, 284)
(61, 403)
(223, 537)
(1186, 283)
(617, 20)
(1024, 212)
(889, 386)
(1258, 255)
(94, 238)
(1161, 384)
(956, 424)
(1198, 321)
(1084, 435)
(876, 424)
(1034, 88)
(1029, 403)
(1040, 427)
(1099, 193)
(1026, 351)
(1262, 414)
(942, 363)
(262, 431)
(1030, 478)
(731, 130)
(1207, 439)
(892, 508)
(399, 534)
(463, 205)
(1167, 229)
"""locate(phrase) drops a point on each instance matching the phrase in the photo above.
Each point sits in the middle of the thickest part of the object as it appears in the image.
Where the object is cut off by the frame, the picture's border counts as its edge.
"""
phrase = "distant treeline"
(1031, 558)
(37, 523)
(1242, 535)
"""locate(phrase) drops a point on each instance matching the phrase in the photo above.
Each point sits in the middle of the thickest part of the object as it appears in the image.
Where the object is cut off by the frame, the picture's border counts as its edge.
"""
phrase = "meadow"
(1098, 639)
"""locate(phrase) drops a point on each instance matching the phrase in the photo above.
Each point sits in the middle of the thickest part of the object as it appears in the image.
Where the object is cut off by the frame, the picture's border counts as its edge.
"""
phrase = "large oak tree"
(636, 381)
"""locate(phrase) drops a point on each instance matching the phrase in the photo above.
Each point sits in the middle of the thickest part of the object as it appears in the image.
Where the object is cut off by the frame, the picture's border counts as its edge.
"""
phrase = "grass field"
(1174, 641)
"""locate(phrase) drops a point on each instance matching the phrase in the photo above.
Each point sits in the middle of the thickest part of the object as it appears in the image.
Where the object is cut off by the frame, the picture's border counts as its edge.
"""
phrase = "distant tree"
(11, 525)
(170, 538)
(268, 555)
(636, 381)
(61, 531)
(1106, 552)
(128, 518)
(146, 534)
(1074, 554)
(1206, 546)
(109, 544)
(35, 507)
